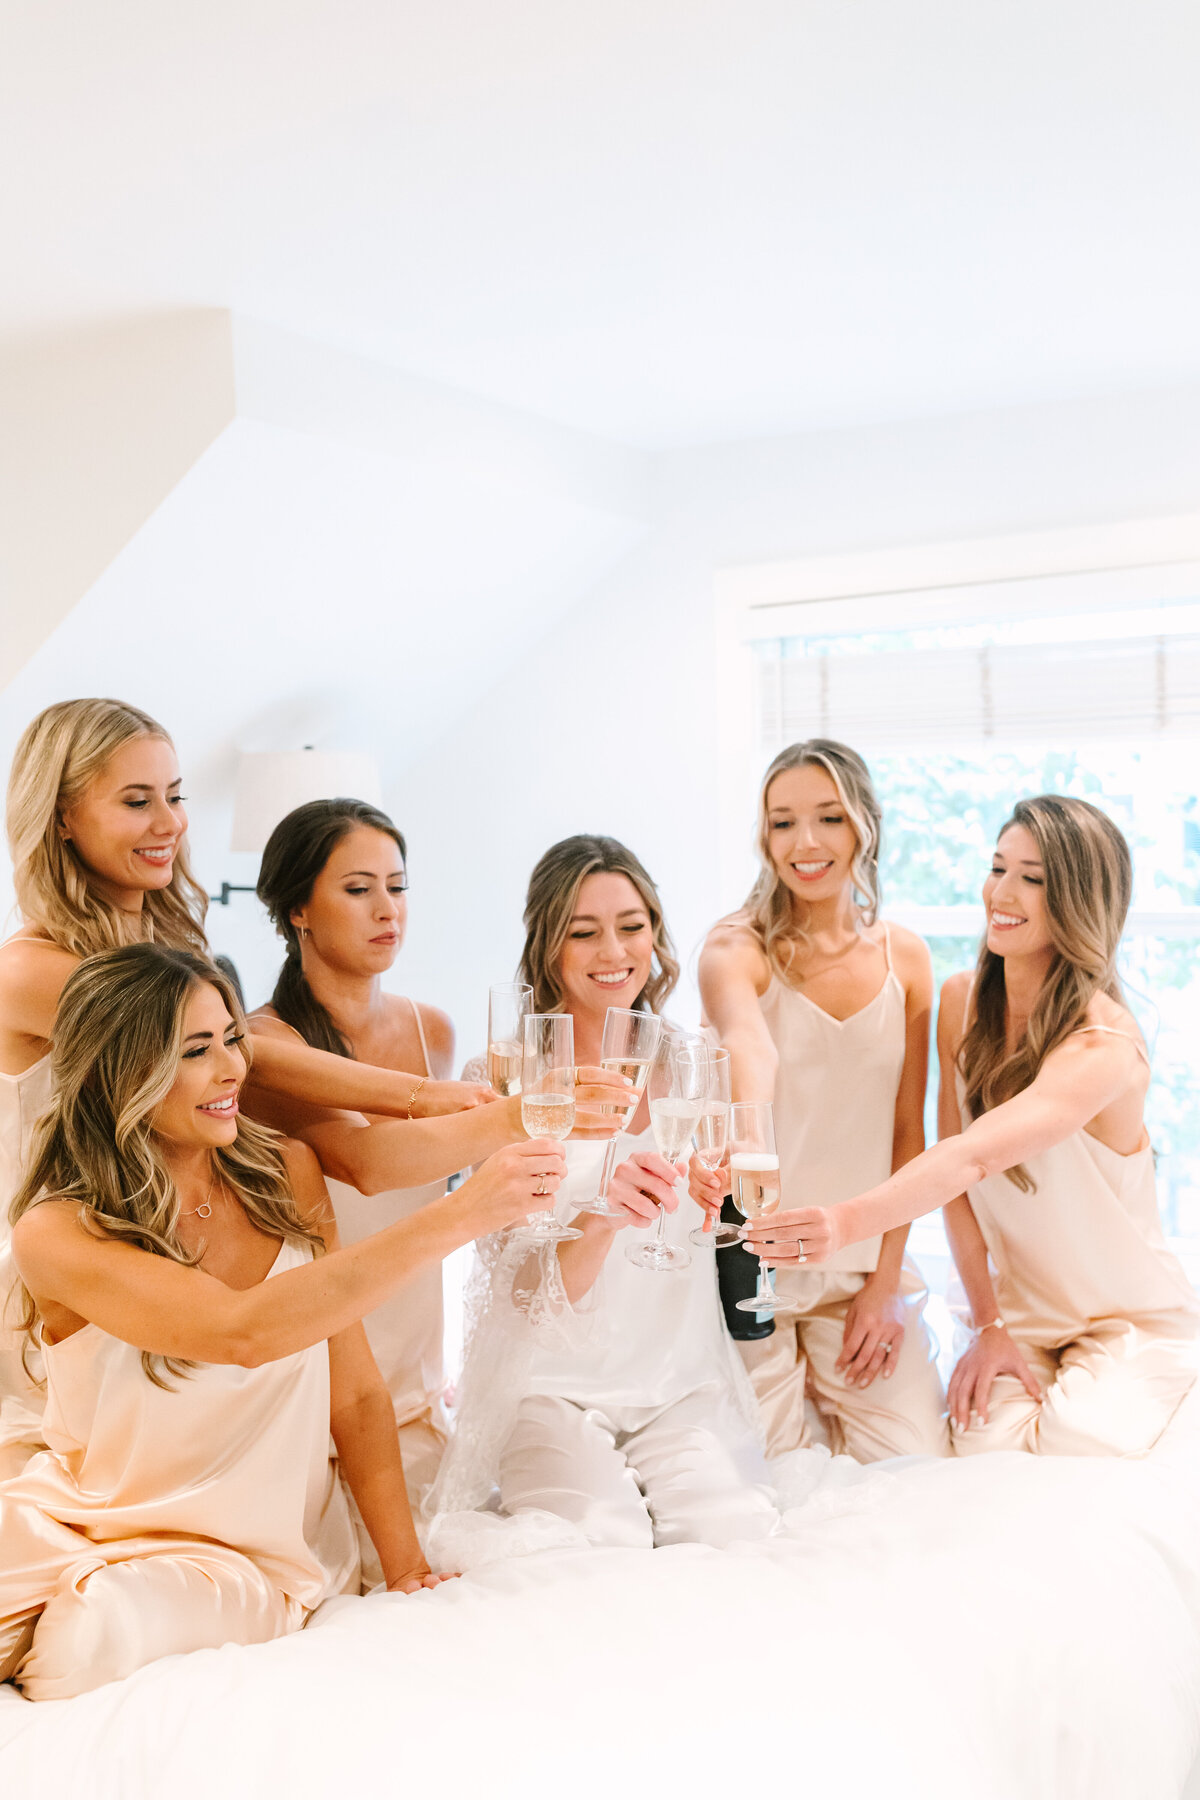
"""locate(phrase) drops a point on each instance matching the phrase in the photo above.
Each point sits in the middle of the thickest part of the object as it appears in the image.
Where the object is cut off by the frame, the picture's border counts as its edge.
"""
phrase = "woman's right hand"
(970, 1387)
(518, 1180)
(708, 1187)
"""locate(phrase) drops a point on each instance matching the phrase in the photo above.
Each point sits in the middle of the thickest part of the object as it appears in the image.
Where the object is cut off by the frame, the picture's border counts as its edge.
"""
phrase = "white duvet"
(1003, 1628)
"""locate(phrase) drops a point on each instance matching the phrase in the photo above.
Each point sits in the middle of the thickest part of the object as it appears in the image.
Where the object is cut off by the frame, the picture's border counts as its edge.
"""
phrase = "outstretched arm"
(286, 1066)
(733, 973)
(173, 1310)
(1075, 1083)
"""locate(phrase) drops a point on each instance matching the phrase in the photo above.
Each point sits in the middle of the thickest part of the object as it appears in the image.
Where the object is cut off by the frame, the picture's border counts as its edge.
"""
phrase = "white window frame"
(1095, 569)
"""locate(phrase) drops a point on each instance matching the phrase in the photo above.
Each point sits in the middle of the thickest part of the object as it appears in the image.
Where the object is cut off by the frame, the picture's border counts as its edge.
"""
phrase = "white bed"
(997, 1629)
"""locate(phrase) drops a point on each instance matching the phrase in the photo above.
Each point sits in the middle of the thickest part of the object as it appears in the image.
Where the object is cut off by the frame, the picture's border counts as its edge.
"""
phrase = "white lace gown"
(627, 1416)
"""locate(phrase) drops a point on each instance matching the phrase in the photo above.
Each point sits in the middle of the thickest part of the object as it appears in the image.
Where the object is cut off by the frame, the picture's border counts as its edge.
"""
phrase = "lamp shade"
(270, 783)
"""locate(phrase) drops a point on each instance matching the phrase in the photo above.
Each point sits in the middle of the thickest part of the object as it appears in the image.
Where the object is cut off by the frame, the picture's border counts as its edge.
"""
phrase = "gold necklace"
(204, 1210)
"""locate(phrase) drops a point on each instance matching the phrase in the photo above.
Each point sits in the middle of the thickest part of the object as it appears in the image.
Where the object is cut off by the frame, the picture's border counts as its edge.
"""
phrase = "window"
(964, 697)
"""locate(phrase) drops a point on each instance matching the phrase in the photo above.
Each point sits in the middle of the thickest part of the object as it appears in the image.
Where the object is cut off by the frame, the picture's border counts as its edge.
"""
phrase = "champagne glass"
(508, 1003)
(547, 1101)
(678, 1092)
(629, 1046)
(754, 1166)
(711, 1142)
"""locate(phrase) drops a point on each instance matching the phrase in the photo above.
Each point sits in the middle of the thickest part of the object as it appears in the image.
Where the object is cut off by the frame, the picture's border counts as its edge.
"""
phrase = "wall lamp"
(270, 784)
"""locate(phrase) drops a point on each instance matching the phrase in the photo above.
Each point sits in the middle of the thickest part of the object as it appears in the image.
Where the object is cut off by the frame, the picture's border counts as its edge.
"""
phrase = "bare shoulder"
(1108, 1017)
(307, 1183)
(910, 957)
(438, 1027)
(952, 1008)
(32, 965)
(44, 1234)
(733, 946)
(264, 1021)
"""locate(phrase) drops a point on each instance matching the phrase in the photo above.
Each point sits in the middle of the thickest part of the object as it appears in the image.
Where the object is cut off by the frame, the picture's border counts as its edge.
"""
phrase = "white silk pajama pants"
(637, 1477)
(903, 1414)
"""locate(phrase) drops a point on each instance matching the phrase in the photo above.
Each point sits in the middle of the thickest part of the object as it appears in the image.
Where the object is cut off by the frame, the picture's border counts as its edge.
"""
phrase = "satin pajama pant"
(1110, 1393)
(101, 1624)
(637, 1477)
(900, 1415)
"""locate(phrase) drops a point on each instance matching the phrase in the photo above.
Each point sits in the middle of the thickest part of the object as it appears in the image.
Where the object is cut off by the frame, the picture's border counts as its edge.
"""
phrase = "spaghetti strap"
(1111, 1031)
(16, 938)
(276, 1020)
(887, 945)
(421, 1034)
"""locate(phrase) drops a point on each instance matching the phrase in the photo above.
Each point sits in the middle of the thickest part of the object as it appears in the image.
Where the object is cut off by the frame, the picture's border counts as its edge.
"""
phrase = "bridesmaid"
(603, 1392)
(96, 827)
(1085, 1343)
(825, 1011)
(334, 881)
(201, 1337)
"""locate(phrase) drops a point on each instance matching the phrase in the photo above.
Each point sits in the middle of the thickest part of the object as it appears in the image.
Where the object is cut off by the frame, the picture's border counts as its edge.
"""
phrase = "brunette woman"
(200, 1332)
(825, 1012)
(596, 1390)
(1085, 1341)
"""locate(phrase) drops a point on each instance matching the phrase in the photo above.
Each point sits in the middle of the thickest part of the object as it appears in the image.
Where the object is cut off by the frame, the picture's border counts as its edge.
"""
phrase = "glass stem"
(765, 1291)
(606, 1168)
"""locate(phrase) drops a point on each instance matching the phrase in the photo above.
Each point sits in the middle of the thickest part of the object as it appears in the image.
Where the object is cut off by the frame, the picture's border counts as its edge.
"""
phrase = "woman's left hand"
(808, 1234)
(418, 1577)
(644, 1182)
(872, 1336)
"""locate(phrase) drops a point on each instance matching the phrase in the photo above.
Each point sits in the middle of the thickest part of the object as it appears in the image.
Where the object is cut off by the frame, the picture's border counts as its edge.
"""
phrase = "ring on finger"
(887, 1348)
(540, 1191)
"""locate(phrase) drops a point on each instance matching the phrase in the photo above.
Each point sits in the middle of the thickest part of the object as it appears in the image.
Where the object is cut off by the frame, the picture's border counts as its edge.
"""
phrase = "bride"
(603, 1393)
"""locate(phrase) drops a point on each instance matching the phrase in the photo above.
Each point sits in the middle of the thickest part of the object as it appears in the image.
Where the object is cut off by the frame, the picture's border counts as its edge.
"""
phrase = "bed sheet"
(1002, 1628)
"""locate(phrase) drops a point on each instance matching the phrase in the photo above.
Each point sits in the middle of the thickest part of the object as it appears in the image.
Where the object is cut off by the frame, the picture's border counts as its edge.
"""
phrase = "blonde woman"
(1085, 1340)
(825, 1011)
(594, 1390)
(334, 879)
(97, 832)
(200, 1332)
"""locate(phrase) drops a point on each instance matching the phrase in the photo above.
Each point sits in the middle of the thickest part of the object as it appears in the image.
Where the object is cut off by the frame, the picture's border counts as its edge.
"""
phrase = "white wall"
(526, 667)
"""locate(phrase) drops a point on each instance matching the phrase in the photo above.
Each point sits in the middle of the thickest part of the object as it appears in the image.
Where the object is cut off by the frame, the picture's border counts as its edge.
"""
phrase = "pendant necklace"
(204, 1210)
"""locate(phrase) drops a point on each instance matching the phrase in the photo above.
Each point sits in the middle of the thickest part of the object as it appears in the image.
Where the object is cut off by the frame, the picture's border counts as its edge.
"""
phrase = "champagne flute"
(711, 1142)
(628, 1047)
(754, 1166)
(508, 1004)
(547, 1101)
(678, 1092)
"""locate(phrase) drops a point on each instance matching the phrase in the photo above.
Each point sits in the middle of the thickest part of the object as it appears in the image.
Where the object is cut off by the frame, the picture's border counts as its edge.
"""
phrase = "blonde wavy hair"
(118, 1040)
(1088, 876)
(770, 909)
(550, 906)
(59, 756)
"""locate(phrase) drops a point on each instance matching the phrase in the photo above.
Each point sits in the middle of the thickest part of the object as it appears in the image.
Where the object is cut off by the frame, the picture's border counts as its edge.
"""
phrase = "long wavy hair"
(59, 756)
(297, 851)
(118, 1039)
(773, 912)
(550, 906)
(1088, 875)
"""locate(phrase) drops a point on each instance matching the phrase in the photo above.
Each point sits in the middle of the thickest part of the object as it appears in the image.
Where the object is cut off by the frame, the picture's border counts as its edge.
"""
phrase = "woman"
(334, 881)
(96, 827)
(1085, 1343)
(825, 1012)
(199, 1345)
(595, 1390)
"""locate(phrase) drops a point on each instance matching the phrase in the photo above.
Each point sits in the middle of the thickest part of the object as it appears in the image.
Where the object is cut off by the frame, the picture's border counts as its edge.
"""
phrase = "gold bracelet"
(412, 1098)
(992, 1325)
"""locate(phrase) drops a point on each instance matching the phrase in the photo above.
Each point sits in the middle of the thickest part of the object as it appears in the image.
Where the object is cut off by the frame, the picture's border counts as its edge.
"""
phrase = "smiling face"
(127, 824)
(609, 947)
(810, 839)
(1015, 897)
(357, 911)
(200, 1112)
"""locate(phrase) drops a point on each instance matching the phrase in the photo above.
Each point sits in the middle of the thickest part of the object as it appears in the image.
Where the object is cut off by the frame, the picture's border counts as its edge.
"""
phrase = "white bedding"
(1003, 1628)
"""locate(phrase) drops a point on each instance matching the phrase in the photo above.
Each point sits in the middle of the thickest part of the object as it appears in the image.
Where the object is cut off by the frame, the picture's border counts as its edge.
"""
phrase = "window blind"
(1053, 694)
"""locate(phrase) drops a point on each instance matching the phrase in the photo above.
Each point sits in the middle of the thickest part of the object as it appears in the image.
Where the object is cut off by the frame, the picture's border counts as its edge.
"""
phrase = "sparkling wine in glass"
(547, 1101)
(628, 1047)
(710, 1140)
(754, 1170)
(508, 1004)
(678, 1092)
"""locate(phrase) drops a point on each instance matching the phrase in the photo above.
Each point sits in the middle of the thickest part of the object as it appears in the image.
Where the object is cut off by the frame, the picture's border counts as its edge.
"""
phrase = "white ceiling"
(664, 221)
